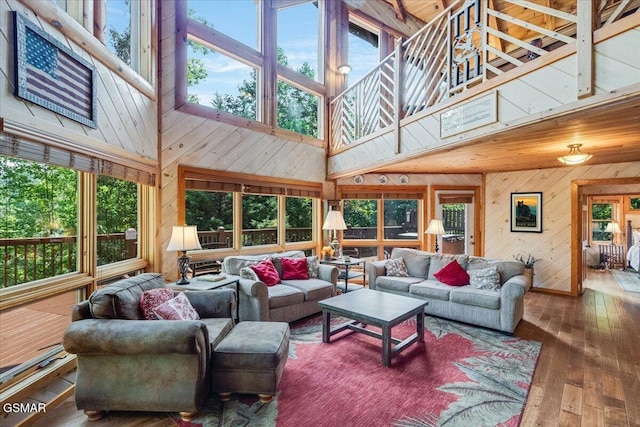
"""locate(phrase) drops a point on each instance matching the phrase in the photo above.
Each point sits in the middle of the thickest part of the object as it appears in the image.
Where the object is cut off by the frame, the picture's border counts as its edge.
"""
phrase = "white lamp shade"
(184, 238)
(613, 227)
(435, 227)
(334, 221)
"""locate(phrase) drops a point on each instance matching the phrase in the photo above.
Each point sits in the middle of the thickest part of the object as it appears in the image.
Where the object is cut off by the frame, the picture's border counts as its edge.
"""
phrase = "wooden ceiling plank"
(399, 9)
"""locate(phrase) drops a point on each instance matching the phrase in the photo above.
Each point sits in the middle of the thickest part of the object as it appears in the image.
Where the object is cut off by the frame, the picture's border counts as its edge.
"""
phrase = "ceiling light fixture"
(575, 156)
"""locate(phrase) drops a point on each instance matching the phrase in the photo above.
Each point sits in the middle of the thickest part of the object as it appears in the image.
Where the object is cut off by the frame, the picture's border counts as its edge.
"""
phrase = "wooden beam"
(212, 38)
(584, 49)
(399, 9)
(269, 72)
(493, 22)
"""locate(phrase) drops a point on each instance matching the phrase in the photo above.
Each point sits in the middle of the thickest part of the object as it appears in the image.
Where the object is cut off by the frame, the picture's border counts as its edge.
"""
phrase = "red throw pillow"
(295, 268)
(151, 299)
(453, 274)
(266, 272)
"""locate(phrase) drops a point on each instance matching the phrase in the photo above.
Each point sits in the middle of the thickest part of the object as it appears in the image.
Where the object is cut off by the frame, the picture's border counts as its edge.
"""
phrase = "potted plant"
(529, 260)
(327, 253)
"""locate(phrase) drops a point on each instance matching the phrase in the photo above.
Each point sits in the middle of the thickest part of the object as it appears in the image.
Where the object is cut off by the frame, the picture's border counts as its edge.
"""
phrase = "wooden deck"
(588, 373)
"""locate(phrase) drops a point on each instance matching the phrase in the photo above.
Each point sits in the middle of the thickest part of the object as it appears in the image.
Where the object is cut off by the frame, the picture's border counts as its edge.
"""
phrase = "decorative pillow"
(396, 267)
(486, 278)
(453, 274)
(266, 272)
(178, 308)
(248, 273)
(313, 267)
(153, 298)
(295, 268)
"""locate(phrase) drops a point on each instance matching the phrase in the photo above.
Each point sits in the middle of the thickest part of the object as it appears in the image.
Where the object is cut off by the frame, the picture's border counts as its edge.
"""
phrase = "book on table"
(211, 277)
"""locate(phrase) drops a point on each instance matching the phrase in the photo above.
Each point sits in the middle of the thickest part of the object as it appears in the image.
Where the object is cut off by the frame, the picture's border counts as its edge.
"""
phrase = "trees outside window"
(361, 217)
(299, 219)
(600, 217)
(212, 213)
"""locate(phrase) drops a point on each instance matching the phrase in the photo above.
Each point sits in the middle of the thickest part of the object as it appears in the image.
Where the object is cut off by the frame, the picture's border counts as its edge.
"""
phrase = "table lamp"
(334, 221)
(436, 228)
(614, 229)
(184, 238)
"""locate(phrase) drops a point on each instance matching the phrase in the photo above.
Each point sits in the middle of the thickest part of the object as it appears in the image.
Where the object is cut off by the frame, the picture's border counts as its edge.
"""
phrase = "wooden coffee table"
(368, 307)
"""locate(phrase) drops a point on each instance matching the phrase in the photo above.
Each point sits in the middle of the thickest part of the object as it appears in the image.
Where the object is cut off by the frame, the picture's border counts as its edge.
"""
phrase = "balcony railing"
(463, 46)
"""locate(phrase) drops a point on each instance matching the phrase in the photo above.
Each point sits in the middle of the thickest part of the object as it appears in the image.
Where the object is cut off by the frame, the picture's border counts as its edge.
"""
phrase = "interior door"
(457, 211)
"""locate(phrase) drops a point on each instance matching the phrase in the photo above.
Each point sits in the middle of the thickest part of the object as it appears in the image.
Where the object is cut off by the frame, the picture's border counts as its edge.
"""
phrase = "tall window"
(361, 217)
(212, 213)
(363, 51)
(117, 219)
(601, 215)
(259, 220)
(400, 219)
(228, 70)
(299, 219)
(39, 221)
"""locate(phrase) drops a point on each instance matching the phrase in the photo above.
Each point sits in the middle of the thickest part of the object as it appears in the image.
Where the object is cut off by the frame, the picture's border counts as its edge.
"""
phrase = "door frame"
(478, 213)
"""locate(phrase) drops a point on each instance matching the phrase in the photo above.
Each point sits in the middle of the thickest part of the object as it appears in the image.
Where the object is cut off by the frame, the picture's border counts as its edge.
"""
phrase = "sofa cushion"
(395, 283)
(417, 262)
(295, 268)
(151, 299)
(485, 278)
(313, 267)
(248, 273)
(313, 289)
(431, 289)
(233, 264)
(282, 296)
(218, 328)
(438, 261)
(178, 308)
(396, 267)
(452, 274)
(266, 272)
(506, 269)
(476, 297)
(121, 300)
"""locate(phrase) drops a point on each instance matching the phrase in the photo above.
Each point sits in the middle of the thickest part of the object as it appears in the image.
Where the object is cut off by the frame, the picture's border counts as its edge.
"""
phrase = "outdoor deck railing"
(462, 46)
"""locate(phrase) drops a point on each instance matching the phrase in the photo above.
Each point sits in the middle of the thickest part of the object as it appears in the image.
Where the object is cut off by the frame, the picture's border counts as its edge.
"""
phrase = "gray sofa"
(130, 364)
(286, 301)
(501, 309)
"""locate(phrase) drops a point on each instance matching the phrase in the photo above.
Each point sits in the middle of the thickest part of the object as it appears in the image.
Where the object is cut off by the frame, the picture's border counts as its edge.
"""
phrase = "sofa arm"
(81, 311)
(328, 273)
(254, 300)
(375, 269)
(512, 302)
(213, 303)
(116, 336)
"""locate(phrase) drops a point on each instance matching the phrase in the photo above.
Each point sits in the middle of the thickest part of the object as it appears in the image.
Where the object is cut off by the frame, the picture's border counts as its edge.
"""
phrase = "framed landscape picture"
(526, 212)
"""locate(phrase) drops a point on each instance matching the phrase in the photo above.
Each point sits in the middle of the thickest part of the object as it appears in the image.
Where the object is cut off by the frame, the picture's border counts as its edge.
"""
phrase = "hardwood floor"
(588, 373)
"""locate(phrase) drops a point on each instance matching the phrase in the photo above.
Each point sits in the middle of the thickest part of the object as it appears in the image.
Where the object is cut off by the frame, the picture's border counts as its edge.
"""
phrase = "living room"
(147, 129)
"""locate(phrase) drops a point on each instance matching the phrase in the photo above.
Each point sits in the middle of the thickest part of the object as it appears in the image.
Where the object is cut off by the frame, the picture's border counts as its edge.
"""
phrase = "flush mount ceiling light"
(575, 156)
(344, 69)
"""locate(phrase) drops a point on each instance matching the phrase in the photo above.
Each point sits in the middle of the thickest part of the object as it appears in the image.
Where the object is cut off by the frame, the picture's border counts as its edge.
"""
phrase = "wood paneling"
(553, 245)
(127, 121)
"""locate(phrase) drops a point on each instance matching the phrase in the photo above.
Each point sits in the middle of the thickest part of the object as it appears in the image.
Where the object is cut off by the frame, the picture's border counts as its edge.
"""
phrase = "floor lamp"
(436, 228)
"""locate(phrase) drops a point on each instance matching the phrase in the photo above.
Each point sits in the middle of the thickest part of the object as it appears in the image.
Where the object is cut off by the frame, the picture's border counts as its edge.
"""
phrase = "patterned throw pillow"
(151, 299)
(267, 272)
(485, 278)
(396, 267)
(178, 308)
(248, 273)
(313, 267)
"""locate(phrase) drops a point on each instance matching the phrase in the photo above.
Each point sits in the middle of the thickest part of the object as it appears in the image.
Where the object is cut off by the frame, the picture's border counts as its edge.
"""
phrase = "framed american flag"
(49, 74)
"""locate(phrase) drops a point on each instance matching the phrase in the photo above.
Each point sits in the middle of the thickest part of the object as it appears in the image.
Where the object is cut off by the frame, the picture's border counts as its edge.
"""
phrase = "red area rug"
(460, 376)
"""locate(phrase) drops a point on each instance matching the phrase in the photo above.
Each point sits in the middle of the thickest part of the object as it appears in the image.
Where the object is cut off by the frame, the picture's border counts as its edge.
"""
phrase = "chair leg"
(265, 398)
(94, 415)
(187, 416)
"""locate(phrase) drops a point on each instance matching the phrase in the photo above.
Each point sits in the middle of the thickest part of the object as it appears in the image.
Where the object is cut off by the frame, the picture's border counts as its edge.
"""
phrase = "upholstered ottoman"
(250, 359)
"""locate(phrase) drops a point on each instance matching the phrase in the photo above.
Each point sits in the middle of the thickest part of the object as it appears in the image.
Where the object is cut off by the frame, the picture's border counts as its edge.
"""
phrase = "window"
(400, 219)
(361, 217)
(236, 211)
(39, 221)
(117, 219)
(299, 219)
(227, 69)
(634, 203)
(364, 55)
(600, 217)
(212, 213)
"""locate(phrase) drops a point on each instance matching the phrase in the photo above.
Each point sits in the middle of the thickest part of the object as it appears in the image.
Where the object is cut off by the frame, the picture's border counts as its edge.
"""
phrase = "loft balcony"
(478, 82)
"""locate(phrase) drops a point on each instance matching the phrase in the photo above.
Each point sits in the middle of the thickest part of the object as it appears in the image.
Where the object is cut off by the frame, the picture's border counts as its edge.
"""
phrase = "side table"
(344, 267)
(196, 284)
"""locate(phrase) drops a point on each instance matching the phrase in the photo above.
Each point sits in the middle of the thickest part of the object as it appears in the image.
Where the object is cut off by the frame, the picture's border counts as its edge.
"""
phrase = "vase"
(528, 273)
(326, 257)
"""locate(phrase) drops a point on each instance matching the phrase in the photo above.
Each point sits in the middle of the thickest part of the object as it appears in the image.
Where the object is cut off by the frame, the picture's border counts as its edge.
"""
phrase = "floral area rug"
(628, 280)
(461, 376)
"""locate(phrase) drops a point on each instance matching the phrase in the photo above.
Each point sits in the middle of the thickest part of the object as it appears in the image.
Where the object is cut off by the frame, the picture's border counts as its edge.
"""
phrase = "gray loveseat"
(130, 364)
(501, 309)
(286, 301)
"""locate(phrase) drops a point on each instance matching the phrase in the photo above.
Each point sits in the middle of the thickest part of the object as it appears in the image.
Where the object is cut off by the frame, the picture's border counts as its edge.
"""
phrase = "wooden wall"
(208, 143)
(127, 120)
(553, 245)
